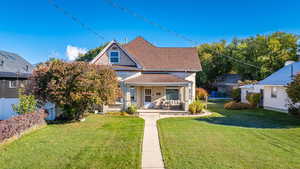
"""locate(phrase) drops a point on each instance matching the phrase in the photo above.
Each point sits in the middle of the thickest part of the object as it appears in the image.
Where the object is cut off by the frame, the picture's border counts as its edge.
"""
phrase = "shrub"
(17, 125)
(196, 107)
(237, 105)
(27, 104)
(293, 89)
(132, 109)
(294, 109)
(253, 99)
(236, 94)
(75, 87)
(201, 94)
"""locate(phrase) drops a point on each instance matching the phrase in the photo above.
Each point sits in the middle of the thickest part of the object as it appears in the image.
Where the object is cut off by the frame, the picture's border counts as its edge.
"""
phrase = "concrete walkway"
(151, 154)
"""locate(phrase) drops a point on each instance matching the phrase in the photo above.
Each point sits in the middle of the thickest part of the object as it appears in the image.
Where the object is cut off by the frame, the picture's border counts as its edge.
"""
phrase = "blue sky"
(36, 30)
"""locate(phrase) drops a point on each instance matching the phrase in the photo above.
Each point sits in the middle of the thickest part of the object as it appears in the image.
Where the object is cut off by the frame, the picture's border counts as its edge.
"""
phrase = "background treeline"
(267, 53)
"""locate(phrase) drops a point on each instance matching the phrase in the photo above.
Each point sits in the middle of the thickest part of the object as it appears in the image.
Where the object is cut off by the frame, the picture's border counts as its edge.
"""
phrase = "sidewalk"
(151, 154)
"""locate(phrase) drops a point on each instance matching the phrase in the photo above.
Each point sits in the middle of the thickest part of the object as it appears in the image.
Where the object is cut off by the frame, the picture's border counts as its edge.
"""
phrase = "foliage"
(237, 105)
(75, 87)
(267, 52)
(196, 107)
(214, 63)
(236, 94)
(201, 94)
(253, 99)
(91, 54)
(132, 109)
(294, 109)
(27, 104)
(247, 82)
(16, 125)
(293, 89)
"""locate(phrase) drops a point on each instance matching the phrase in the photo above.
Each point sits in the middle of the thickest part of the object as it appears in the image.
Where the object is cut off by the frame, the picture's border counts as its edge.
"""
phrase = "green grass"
(238, 139)
(99, 142)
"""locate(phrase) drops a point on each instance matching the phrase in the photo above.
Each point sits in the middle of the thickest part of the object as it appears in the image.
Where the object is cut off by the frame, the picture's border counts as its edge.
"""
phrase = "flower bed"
(16, 126)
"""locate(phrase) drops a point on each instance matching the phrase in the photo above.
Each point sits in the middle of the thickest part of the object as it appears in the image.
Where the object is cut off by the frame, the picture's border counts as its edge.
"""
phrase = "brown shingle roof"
(163, 58)
(156, 78)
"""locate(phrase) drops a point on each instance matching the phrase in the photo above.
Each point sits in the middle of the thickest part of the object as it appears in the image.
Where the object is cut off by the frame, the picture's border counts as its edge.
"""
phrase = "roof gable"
(163, 58)
(283, 76)
(125, 58)
(11, 62)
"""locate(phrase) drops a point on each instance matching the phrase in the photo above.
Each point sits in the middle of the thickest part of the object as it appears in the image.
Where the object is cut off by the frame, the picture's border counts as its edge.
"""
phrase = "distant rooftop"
(11, 62)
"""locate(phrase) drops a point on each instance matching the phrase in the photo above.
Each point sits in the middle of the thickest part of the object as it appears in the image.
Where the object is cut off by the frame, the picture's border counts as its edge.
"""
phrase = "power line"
(75, 19)
(163, 28)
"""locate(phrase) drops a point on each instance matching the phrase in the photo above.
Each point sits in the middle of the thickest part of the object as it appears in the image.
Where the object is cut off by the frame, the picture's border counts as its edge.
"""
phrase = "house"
(152, 77)
(274, 87)
(226, 83)
(14, 72)
(250, 88)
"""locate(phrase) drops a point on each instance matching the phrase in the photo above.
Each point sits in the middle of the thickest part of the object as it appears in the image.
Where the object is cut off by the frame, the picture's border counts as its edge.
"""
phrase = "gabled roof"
(163, 58)
(11, 62)
(283, 76)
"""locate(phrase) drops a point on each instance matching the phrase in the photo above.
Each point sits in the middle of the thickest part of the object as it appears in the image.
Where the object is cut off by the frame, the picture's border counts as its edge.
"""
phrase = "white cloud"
(73, 52)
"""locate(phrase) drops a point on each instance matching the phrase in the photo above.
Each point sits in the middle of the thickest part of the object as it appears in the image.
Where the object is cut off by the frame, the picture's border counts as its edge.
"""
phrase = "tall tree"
(214, 63)
(91, 54)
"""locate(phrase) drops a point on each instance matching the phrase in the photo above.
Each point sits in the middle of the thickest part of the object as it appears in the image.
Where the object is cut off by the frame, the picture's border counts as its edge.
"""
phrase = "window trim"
(178, 89)
(10, 84)
(274, 95)
(119, 58)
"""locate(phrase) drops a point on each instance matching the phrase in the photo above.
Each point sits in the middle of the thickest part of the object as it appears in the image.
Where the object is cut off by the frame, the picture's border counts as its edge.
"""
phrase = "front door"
(148, 98)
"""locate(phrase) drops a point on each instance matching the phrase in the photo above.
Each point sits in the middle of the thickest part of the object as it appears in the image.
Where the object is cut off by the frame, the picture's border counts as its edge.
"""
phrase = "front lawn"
(99, 142)
(238, 139)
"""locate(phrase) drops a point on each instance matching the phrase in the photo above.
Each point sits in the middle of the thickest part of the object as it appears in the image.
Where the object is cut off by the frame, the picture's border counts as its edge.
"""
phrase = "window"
(148, 95)
(132, 95)
(12, 84)
(114, 57)
(274, 92)
(172, 94)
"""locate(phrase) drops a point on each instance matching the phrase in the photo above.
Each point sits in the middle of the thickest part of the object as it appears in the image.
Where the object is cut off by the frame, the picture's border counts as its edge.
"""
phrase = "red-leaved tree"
(75, 87)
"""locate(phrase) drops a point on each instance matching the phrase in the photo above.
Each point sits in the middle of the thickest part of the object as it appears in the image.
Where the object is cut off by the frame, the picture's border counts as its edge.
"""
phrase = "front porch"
(157, 92)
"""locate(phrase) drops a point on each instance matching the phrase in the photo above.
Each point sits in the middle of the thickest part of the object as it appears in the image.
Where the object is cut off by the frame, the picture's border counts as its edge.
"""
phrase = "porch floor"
(161, 111)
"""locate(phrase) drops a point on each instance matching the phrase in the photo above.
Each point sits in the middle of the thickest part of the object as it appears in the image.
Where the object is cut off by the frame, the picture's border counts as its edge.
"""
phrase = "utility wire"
(163, 28)
(75, 19)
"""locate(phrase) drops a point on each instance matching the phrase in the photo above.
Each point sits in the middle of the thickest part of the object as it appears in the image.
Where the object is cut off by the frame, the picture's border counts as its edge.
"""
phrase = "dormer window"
(114, 57)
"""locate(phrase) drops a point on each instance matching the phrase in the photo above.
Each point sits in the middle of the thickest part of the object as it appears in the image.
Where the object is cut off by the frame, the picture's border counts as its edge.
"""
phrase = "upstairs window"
(114, 57)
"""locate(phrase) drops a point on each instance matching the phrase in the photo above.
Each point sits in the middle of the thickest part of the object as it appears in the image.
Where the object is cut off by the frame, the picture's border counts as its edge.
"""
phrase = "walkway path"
(151, 153)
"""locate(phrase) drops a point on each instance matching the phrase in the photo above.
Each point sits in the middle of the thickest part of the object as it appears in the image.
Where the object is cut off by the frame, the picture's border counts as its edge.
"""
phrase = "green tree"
(76, 87)
(91, 54)
(214, 63)
(27, 103)
(267, 52)
(293, 89)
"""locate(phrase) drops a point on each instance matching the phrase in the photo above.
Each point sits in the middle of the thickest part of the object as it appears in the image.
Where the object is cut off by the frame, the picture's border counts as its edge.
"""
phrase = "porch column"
(127, 100)
(186, 98)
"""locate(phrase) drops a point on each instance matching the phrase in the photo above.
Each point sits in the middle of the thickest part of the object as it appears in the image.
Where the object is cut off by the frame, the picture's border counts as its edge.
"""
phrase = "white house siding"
(250, 89)
(280, 103)
(124, 75)
(190, 77)
(6, 110)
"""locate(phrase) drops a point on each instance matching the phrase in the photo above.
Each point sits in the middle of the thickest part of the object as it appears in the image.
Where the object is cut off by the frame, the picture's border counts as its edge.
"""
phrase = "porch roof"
(157, 80)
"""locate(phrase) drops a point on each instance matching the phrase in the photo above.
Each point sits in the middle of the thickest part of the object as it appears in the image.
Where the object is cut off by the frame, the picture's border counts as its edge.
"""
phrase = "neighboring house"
(250, 88)
(152, 77)
(226, 83)
(275, 96)
(14, 72)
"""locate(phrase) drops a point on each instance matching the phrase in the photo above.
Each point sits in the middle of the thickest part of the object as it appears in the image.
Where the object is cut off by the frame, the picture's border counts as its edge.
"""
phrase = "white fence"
(7, 112)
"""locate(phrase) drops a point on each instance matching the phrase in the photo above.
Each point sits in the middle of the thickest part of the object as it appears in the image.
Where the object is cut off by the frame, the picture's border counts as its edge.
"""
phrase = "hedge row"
(17, 125)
